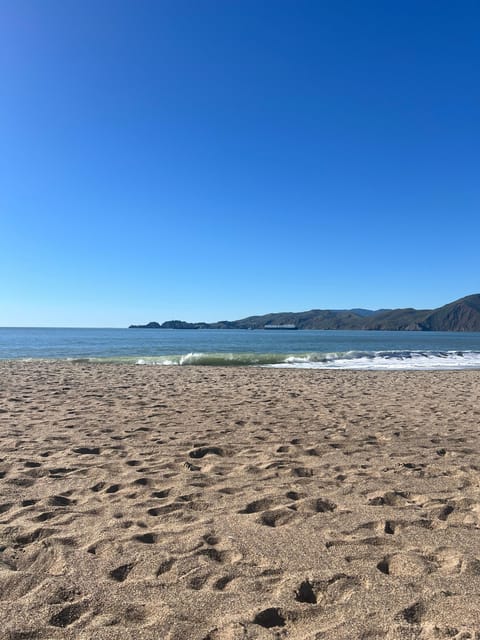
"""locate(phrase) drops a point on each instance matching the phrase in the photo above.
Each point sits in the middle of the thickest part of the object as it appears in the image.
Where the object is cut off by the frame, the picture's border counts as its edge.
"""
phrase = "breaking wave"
(374, 360)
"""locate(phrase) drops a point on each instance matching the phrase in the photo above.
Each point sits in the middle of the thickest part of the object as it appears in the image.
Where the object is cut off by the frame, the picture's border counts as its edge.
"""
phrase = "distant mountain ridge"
(460, 315)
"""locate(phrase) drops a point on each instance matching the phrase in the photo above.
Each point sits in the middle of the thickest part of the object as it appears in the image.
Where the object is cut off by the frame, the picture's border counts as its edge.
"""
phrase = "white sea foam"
(387, 360)
(372, 360)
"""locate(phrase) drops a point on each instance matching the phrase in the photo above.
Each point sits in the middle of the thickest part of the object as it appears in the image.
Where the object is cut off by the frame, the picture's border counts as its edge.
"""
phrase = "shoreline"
(373, 361)
(219, 503)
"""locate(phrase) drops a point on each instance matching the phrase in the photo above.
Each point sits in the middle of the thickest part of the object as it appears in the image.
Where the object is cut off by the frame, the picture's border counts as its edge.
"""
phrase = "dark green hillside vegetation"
(460, 315)
(396, 320)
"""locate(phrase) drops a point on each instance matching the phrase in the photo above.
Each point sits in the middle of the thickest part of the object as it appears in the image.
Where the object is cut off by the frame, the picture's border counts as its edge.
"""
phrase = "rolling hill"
(460, 315)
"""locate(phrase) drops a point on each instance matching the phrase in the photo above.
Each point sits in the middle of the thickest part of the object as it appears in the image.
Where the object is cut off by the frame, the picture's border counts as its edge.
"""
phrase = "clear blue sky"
(208, 160)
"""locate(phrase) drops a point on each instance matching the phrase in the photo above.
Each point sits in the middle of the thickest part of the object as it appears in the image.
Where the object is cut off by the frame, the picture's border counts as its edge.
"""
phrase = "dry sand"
(224, 504)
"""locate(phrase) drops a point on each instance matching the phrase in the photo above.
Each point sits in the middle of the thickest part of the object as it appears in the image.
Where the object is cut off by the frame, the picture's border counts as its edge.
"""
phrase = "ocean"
(232, 347)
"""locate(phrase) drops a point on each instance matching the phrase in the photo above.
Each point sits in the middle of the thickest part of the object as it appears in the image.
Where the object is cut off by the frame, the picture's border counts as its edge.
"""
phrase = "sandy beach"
(142, 502)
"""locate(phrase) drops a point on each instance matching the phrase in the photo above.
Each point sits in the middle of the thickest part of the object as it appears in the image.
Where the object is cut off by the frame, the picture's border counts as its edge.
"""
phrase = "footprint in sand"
(406, 565)
(391, 499)
(277, 517)
(294, 495)
(60, 501)
(146, 538)
(450, 561)
(211, 539)
(164, 509)
(120, 574)
(306, 593)
(262, 504)
(302, 472)
(222, 583)
(28, 503)
(161, 494)
(316, 505)
(389, 527)
(222, 557)
(338, 588)
(68, 615)
(142, 482)
(201, 452)
(413, 614)
(198, 582)
(269, 618)
(113, 488)
(87, 450)
(46, 515)
(165, 566)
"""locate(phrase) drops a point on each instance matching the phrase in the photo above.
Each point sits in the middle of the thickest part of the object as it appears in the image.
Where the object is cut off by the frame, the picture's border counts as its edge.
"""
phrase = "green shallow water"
(301, 349)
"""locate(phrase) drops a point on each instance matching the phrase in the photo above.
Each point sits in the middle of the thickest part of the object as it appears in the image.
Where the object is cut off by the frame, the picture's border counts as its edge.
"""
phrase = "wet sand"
(226, 504)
